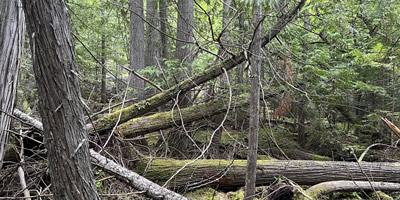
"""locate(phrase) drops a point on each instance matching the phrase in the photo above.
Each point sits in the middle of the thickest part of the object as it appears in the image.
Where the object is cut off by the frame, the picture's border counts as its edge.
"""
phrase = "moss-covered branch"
(143, 125)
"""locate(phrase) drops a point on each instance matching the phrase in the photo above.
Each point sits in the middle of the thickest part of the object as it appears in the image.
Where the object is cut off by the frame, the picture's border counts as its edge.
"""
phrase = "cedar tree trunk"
(60, 103)
(137, 46)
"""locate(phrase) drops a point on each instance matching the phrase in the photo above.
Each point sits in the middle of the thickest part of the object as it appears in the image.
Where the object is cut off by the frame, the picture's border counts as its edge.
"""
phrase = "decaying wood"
(131, 178)
(335, 186)
(211, 72)
(226, 174)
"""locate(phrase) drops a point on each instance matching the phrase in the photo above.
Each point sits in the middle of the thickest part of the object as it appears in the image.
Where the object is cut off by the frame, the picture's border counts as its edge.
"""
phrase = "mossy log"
(211, 72)
(325, 188)
(226, 174)
(148, 124)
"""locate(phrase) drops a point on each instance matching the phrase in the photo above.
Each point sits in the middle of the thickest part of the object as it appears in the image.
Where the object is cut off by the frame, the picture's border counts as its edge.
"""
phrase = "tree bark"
(152, 38)
(184, 36)
(137, 47)
(60, 103)
(103, 56)
(250, 188)
(226, 174)
(153, 102)
(163, 28)
(11, 39)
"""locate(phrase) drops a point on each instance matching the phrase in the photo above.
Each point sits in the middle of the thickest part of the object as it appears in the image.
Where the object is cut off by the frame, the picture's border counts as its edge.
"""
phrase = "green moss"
(382, 196)
(161, 170)
(321, 158)
(202, 193)
(238, 195)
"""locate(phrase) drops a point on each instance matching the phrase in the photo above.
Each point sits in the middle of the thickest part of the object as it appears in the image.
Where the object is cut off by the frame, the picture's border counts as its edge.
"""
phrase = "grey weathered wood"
(61, 108)
(11, 38)
(303, 172)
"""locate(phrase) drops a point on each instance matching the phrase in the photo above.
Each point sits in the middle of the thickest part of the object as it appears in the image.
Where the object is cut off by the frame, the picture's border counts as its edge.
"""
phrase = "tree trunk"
(153, 102)
(148, 124)
(103, 56)
(60, 103)
(137, 47)
(226, 174)
(182, 53)
(152, 38)
(11, 39)
(163, 28)
(254, 104)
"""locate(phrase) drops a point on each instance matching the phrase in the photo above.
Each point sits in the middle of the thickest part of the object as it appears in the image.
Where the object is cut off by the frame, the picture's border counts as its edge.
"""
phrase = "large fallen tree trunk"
(131, 178)
(140, 126)
(211, 72)
(226, 174)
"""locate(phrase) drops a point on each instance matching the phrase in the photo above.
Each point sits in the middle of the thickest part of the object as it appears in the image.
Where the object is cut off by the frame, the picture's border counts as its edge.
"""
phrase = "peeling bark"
(61, 108)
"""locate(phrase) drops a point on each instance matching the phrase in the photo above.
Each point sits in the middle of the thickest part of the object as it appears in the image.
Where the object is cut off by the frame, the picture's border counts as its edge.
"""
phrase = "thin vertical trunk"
(254, 104)
(184, 34)
(60, 103)
(151, 33)
(137, 47)
(103, 56)
(11, 40)
(163, 27)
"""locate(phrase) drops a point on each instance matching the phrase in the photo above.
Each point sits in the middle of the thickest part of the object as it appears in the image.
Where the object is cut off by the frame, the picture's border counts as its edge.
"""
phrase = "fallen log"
(325, 188)
(121, 173)
(142, 107)
(226, 174)
(140, 126)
